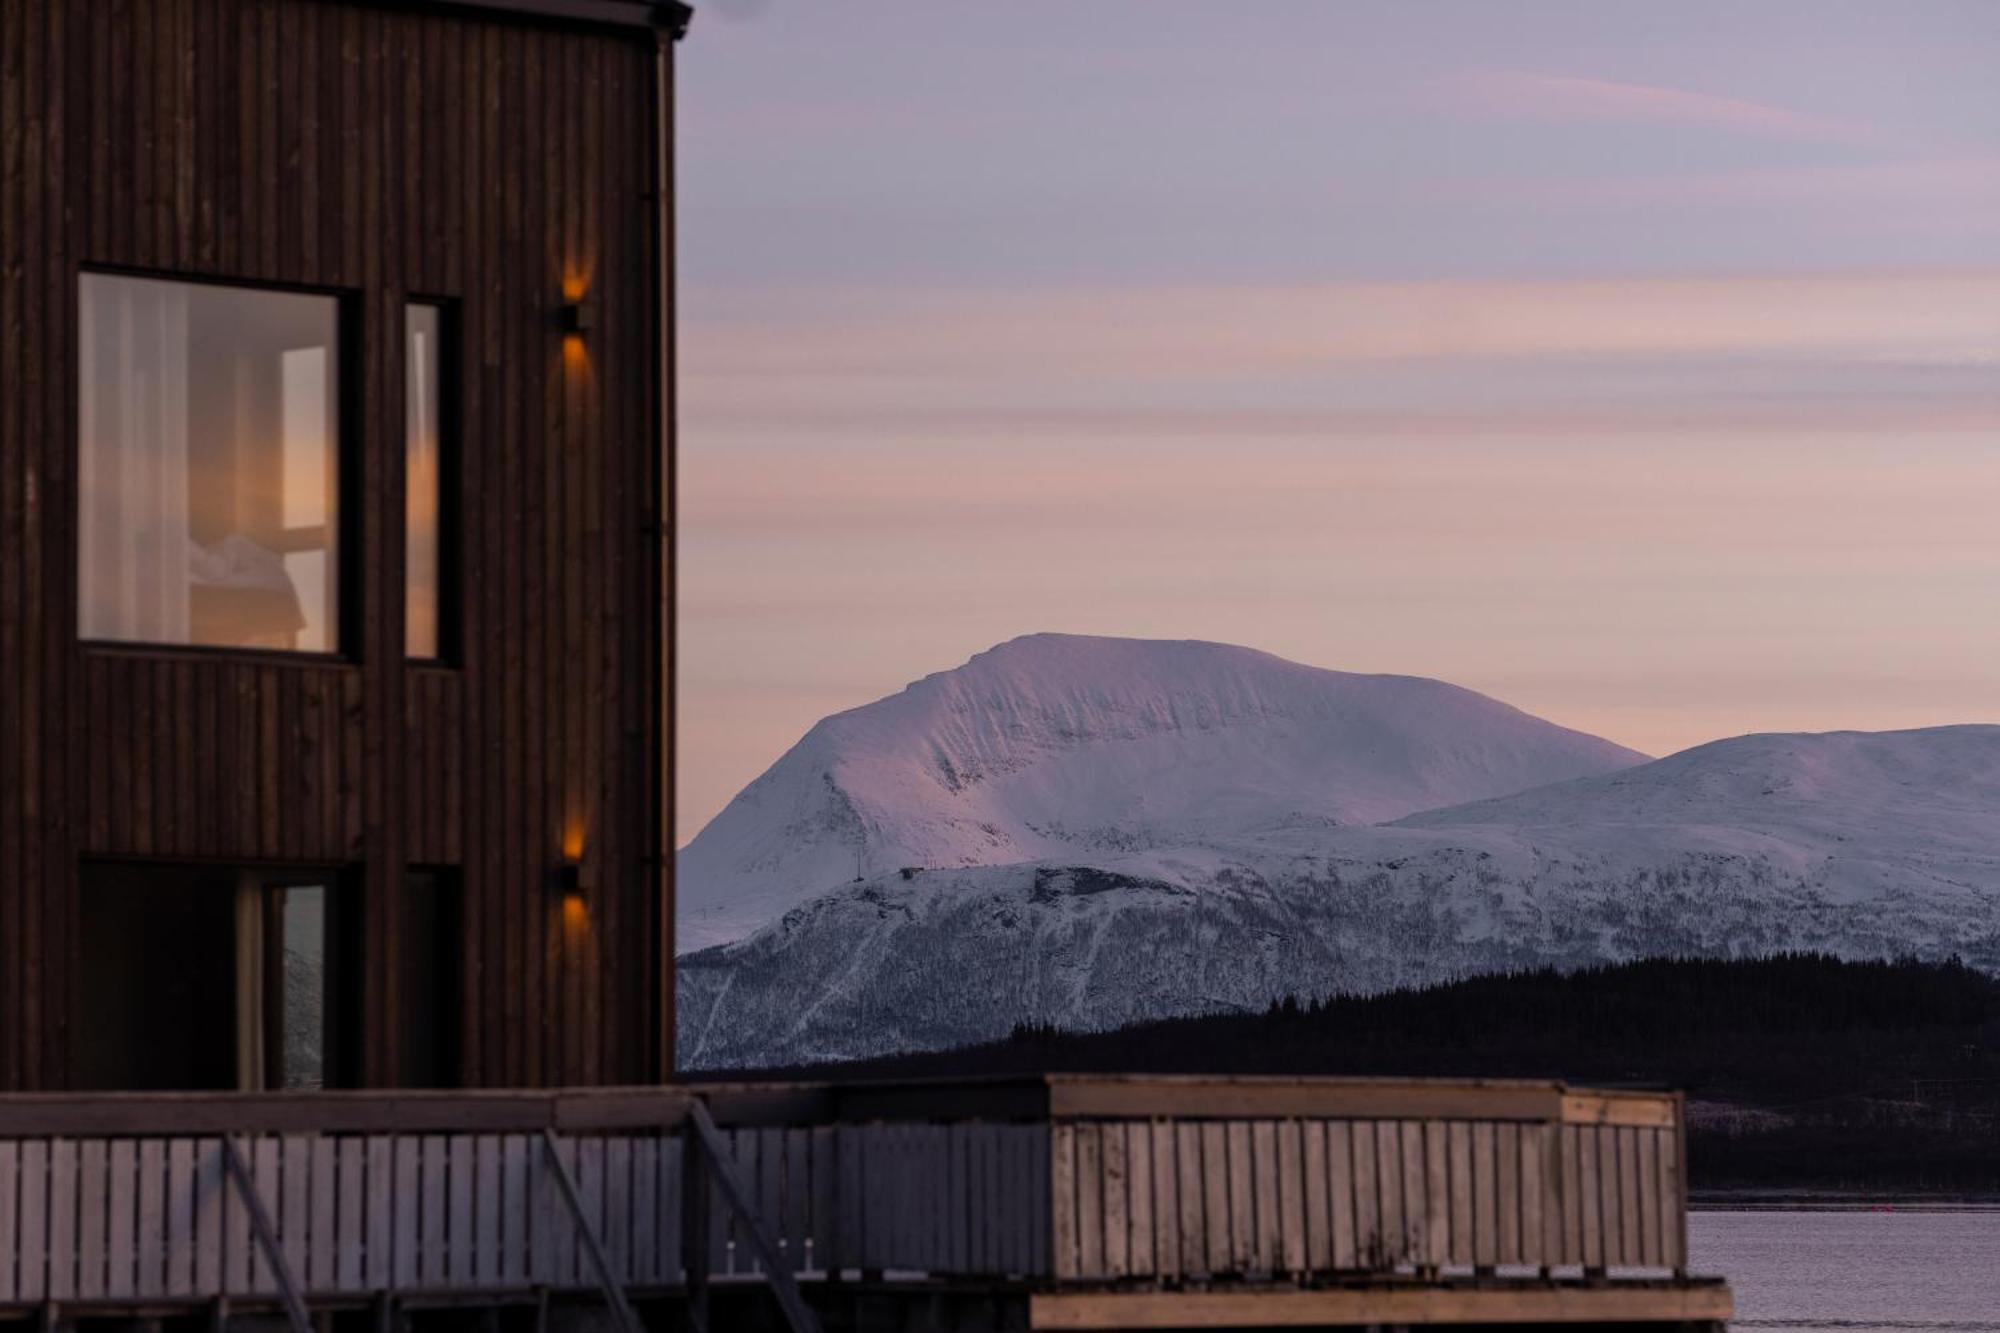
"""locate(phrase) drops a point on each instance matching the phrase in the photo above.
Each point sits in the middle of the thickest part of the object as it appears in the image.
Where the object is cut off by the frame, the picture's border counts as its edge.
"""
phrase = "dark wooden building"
(335, 428)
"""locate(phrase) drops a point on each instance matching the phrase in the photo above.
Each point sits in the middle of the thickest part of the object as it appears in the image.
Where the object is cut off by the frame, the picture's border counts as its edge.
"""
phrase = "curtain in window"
(133, 428)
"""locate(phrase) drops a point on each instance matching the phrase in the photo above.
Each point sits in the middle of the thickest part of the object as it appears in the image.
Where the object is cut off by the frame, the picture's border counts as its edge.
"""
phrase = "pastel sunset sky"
(1636, 363)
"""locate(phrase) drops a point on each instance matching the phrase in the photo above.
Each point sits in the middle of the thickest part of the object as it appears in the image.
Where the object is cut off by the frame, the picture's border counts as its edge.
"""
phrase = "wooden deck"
(1061, 1202)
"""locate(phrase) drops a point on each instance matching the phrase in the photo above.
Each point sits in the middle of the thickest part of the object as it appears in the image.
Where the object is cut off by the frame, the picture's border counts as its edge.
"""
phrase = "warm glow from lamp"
(576, 355)
(575, 913)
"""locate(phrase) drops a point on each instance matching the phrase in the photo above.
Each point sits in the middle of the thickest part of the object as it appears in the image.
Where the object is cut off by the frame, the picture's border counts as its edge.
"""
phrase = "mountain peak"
(1074, 746)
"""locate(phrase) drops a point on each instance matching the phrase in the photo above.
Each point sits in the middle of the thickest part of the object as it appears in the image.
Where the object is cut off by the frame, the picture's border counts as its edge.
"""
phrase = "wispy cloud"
(1569, 98)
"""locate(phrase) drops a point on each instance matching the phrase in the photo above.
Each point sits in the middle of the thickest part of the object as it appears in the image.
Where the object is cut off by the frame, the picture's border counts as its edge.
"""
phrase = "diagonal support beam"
(266, 1235)
(614, 1290)
(776, 1271)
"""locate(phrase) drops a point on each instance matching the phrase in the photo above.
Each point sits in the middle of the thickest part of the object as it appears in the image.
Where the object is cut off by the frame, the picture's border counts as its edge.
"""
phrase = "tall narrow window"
(425, 531)
(209, 499)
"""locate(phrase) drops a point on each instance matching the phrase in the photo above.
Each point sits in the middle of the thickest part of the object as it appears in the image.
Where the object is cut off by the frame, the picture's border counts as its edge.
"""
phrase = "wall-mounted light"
(566, 880)
(576, 318)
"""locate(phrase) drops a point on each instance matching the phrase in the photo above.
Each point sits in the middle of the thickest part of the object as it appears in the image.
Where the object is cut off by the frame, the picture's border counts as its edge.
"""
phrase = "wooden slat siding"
(1458, 1155)
(277, 140)
(93, 1202)
(1589, 1193)
(518, 1153)
(402, 1238)
(459, 1181)
(1116, 1200)
(62, 1220)
(1534, 1187)
(1507, 1192)
(181, 1201)
(1391, 1183)
(1673, 1221)
(1343, 1196)
(10, 1176)
(322, 1189)
(1437, 1195)
(1631, 1239)
(151, 1217)
(1318, 1212)
(645, 1265)
(824, 1208)
(1191, 1182)
(1139, 1207)
(121, 1174)
(1239, 1173)
(32, 1251)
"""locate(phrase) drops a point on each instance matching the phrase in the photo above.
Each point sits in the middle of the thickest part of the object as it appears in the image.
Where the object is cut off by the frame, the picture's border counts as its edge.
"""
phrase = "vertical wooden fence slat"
(1534, 1195)
(1572, 1195)
(1368, 1247)
(1190, 1182)
(1318, 1217)
(1648, 1197)
(93, 1203)
(1343, 1196)
(62, 1220)
(1291, 1256)
(10, 1178)
(617, 1233)
(350, 1173)
(322, 1271)
(291, 1208)
(1062, 1187)
(434, 1188)
(1264, 1194)
(267, 1175)
(181, 1217)
(645, 1265)
(671, 1150)
(151, 1217)
(120, 1220)
(1458, 1154)
(1437, 1195)
(798, 1223)
(1416, 1197)
(1090, 1199)
(460, 1169)
(1389, 1184)
(1116, 1203)
(1629, 1247)
(1590, 1191)
(1672, 1220)
(210, 1195)
(511, 1266)
(825, 1206)
(1141, 1255)
(1485, 1200)
(404, 1234)
(1240, 1173)
(34, 1221)
(1507, 1195)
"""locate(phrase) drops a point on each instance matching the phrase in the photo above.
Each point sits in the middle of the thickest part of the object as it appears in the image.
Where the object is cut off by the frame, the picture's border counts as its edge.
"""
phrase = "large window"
(209, 428)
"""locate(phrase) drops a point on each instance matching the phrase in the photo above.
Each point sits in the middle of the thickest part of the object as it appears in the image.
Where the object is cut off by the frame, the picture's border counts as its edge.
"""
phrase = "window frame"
(449, 596)
(349, 470)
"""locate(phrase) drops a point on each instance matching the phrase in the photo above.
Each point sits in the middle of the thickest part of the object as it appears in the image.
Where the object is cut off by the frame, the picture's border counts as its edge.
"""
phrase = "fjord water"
(1855, 1271)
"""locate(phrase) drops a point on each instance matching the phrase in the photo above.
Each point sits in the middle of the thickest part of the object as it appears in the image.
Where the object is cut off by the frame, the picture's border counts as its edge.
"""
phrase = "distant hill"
(1803, 1071)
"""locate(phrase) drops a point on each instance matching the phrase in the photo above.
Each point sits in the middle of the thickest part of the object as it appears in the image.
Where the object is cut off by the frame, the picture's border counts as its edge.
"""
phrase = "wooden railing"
(1044, 1181)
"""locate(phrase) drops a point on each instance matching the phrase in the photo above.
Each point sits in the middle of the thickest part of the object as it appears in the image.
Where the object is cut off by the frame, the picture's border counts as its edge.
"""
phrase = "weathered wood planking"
(382, 153)
(1264, 1198)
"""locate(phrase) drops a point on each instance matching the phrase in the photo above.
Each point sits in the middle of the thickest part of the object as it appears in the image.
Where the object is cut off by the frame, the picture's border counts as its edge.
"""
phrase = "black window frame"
(349, 468)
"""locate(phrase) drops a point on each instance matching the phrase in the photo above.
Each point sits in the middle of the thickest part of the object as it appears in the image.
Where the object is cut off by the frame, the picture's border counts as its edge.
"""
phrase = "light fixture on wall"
(566, 880)
(576, 317)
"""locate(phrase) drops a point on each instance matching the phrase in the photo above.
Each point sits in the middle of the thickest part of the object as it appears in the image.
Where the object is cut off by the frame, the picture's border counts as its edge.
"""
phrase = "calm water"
(1855, 1270)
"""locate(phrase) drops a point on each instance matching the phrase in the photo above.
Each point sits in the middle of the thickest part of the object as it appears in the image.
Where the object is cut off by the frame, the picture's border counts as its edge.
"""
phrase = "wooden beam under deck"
(1291, 1307)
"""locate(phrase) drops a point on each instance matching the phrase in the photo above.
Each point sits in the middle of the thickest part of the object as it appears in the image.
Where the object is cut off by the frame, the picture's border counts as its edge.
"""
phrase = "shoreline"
(1836, 1201)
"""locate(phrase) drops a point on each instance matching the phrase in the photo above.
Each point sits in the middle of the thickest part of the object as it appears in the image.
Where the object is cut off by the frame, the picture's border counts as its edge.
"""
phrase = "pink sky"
(1654, 391)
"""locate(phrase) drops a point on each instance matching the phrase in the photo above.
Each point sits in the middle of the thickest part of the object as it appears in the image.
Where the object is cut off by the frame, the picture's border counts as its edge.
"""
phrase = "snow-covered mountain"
(1071, 749)
(1864, 845)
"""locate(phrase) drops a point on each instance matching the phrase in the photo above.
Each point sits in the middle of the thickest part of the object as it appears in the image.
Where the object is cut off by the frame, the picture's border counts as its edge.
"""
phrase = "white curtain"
(133, 479)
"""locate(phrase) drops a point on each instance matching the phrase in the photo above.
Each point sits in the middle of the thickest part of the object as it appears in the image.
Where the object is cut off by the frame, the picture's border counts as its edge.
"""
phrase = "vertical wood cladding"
(488, 162)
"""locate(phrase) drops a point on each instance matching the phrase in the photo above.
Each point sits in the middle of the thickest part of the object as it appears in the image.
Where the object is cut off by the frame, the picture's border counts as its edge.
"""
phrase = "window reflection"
(422, 481)
(209, 502)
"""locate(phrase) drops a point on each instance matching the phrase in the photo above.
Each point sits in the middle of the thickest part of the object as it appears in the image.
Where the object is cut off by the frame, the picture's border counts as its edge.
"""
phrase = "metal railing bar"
(783, 1285)
(266, 1235)
(614, 1290)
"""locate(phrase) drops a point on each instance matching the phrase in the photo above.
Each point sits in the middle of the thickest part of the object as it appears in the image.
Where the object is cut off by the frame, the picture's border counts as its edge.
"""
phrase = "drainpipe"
(670, 25)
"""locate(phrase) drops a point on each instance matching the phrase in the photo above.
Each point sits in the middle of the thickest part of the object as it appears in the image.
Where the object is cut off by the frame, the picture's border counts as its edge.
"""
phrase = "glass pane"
(422, 483)
(208, 510)
(301, 1017)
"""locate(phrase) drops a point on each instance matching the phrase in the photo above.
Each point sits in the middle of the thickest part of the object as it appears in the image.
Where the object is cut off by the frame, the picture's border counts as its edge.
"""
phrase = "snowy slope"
(1864, 845)
(1082, 750)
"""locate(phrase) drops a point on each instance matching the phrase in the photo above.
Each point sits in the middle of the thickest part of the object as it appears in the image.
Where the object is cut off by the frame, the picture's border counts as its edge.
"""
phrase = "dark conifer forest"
(1804, 1073)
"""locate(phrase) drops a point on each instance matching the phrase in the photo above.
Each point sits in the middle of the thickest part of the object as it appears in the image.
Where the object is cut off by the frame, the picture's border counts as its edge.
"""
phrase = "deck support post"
(266, 1236)
(614, 1290)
